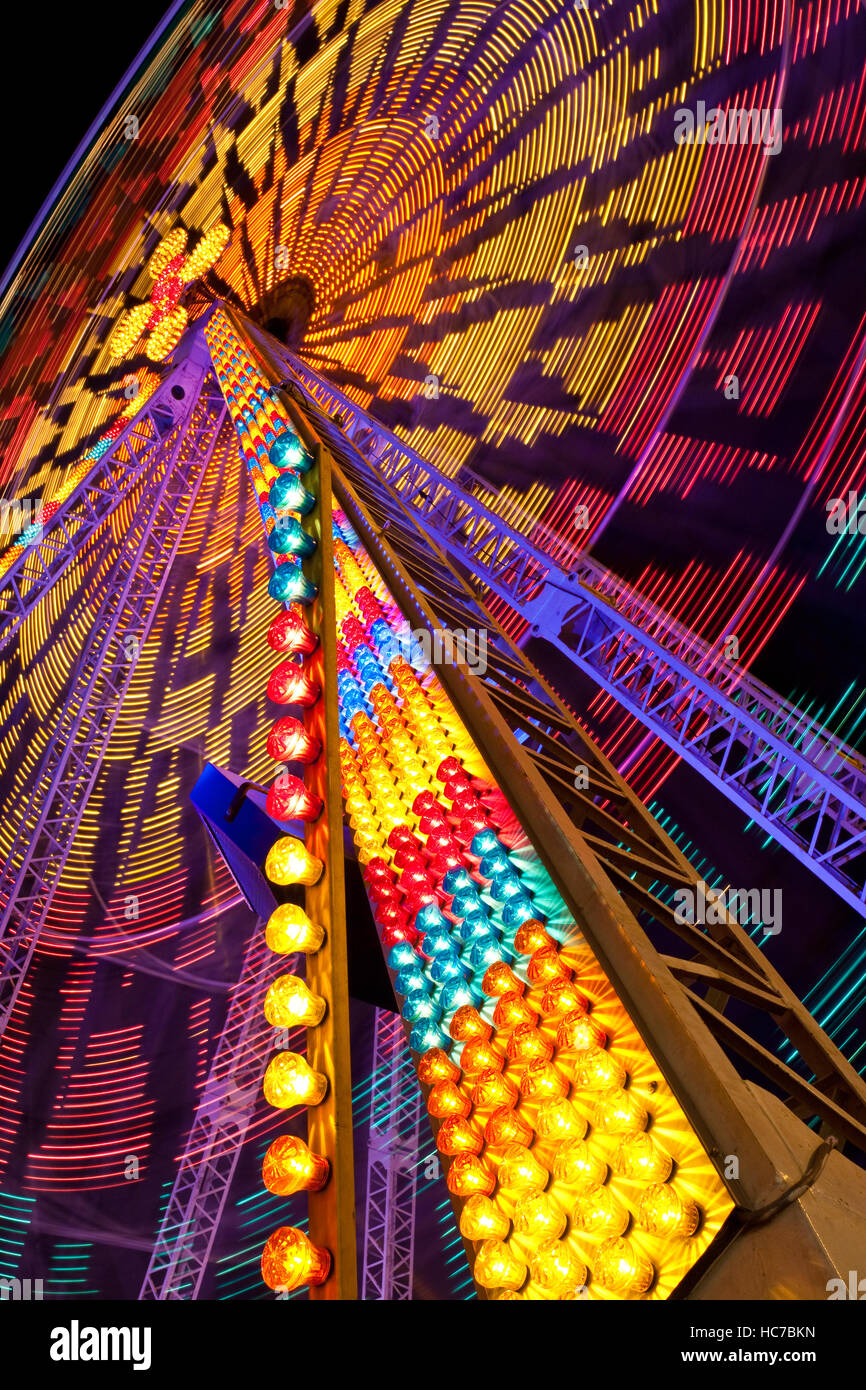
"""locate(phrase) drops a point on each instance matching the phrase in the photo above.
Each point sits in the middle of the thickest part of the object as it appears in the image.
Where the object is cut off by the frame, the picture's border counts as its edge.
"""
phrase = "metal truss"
(186, 1235)
(785, 771)
(74, 754)
(613, 861)
(392, 1163)
(40, 565)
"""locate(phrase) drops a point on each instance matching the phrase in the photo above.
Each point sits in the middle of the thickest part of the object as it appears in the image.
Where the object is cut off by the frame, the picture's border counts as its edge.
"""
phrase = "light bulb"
(289, 1003)
(289, 584)
(639, 1157)
(290, 1166)
(289, 742)
(496, 1267)
(543, 1081)
(288, 537)
(512, 1010)
(526, 1044)
(445, 1099)
(290, 929)
(558, 1120)
(555, 1266)
(597, 1209)
(537, 1214)
(288, 494)
(619, 1112)
(491, 1090)
(578, 1033)
(499, 979)
(481, 1219)
(468, 1025)
(457, 1136)
(289, 1080)
(561, 997)
(507, 1127)
(620, 1268)
(531, 936)
(480, 1056)
(291, 684)
(545, 965)
(288, 799)
(289, 633)
(574, 1161)
(468, 1174)
(290, 1260)
(289, 862)
(596, 1070)
(520, 1170)
(662, 1212)
(436, 1065)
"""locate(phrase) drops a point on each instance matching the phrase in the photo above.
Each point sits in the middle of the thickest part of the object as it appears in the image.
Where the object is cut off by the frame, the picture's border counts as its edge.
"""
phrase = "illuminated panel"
(574, 1170)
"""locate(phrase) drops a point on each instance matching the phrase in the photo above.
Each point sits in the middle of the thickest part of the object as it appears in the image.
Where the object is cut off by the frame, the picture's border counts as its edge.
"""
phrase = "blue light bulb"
(288, 494)
(484, 842)
(289, 584)
(438, 942)
(429, 916)
(457, 880)
(456, 994)
(411, 981)
(495, 863)
(447, 967)
(287, 451)
(517, 911)
(289, 538)
(420, 1008)
(401, 955)
(506, 886)
(427, 1035)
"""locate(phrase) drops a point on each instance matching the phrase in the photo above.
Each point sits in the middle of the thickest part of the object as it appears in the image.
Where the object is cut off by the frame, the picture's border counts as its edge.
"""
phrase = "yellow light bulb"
(558, 1120)
(496, 1267)
(543, 1081)
(639, 1157)
(662, 1212)
(520, 1170)
(555, 1266)
(290, 929)
(596, 1070)
(289, 862)
(536, 1214)
(289, 1081)
(578, 1033)
(619, 1112)
(289, 1002)
(597, 1209)
(620, 1268)
(481, 1219)
(575, 1162)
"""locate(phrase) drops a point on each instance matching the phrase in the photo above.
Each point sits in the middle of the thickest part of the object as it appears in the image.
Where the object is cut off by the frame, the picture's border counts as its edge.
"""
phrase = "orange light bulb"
(290, 862)
(545, 966)
(537, 1214)
(521, 1171)
(289, 929)
(496, 1267)
(507, 1127)
(480, 1056)
(575, 1162)
(561, 997)
(531, 936)
(662, 1212)
(289, 1081)
(555, 1266)
(558, 1120)
(290, 1166)
(578, 1033)
(289, 1002)
(597, 1209)
(467, 1025)
(499, 978)
(639, 1157)
(527, 1044)
(436, 1065)
(469, 1174)
(457, 1136)
(619, 1267)
(481, 1219)
(596, 1070)
(290, 1260)
(445, 1100)
(492, 1090)
(543, 1081)
(512, 1010)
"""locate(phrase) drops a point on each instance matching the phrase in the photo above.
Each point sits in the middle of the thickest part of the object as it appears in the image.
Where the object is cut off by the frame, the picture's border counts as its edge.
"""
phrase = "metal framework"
(777, 764)
(74, 754)
(207, 1166)
(614, 864)
(392, 1160)
(39, 566)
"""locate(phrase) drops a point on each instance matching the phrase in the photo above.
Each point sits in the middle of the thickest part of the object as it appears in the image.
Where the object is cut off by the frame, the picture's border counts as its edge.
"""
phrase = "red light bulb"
(288, 799)
(289, 742)
(290, 684)
(289, 633)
